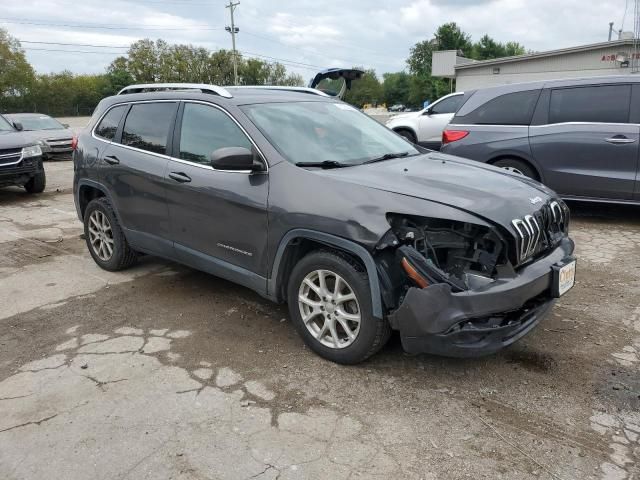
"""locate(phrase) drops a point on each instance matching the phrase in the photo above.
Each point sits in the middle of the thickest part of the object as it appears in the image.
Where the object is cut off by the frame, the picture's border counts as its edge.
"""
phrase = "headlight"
(463, 254)
(32, 151)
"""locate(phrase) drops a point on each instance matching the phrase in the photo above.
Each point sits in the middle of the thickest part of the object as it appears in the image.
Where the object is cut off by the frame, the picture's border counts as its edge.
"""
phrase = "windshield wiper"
(386, 156)
(323, 164)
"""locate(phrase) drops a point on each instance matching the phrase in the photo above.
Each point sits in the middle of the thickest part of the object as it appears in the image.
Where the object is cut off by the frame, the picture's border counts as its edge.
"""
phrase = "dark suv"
(20, 160)
(305, 200)
(580, 137)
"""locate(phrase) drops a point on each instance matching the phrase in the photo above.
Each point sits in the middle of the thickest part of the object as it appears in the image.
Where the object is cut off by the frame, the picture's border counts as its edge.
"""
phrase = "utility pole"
(233, 30)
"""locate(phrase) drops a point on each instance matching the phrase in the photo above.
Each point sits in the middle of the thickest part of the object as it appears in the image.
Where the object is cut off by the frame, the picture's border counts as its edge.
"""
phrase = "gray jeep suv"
(305, 200)
(580, 137)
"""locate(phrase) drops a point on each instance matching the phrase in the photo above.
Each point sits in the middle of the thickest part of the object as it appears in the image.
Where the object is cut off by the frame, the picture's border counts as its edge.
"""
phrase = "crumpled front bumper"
(478, 322)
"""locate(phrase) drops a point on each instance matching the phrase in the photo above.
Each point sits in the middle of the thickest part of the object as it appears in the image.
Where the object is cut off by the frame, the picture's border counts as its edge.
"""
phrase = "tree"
(395, 88)
(366, 90)
(450, 37)
(16, 74)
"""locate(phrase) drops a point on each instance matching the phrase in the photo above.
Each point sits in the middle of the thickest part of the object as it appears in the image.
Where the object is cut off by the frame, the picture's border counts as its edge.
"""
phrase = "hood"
(405, 115)
(14, 139)
(482, 190)
(48, 134)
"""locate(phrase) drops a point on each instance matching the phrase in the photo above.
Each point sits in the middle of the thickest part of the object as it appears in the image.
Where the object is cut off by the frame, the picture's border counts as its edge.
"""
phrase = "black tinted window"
(147, 126)
(604, 103)
(509, 109)
(109, 123)
(205, 129)
(448, 105)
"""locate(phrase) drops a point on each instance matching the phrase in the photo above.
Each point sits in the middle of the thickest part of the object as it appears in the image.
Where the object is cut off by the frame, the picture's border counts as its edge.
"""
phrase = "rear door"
(587, 147)
(133, 170)
(218, 218)
(436, 117)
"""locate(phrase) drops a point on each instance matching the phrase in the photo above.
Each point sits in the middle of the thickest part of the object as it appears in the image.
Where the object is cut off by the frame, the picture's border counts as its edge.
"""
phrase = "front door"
(435, 118)
(588, 148)
(218, 218)
(133, 170)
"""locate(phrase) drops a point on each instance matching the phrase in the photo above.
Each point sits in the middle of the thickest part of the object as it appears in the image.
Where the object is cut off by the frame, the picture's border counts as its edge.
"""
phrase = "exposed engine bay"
(430, 251)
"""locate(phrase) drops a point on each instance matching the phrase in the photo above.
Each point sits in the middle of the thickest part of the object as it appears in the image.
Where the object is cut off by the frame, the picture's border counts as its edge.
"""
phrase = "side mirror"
(235, 158)
(18, 126)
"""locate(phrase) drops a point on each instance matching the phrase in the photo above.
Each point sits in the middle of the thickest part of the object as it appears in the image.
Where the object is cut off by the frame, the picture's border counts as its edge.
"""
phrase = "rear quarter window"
(108, 126)
(508, 109)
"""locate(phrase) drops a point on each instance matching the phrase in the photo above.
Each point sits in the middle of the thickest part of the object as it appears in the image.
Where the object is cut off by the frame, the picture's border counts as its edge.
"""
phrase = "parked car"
(53, 137)
(398, 107)
(306, 200)
(425, 126)
(579, 136)
(20, 160)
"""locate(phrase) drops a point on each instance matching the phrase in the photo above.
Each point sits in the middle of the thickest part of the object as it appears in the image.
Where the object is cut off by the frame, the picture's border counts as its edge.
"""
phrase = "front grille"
(63, 144)
(10, 156)
(539, 231)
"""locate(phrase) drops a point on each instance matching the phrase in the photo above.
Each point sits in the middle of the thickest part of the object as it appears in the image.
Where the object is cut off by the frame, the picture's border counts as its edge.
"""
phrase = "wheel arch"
(521, 158)
(89, 190)
(298, 242)
(406, 128)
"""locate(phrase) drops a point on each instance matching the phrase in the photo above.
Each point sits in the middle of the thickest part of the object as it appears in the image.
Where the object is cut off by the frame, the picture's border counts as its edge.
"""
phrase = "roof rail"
(203, 87)
(312, 91)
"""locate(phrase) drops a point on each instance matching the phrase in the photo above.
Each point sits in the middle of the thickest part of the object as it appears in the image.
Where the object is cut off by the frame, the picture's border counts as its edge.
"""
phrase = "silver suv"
(579, 137)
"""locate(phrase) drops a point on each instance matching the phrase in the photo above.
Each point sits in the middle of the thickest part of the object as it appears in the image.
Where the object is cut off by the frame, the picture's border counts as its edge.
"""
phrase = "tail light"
(74, 142)
(449, 136)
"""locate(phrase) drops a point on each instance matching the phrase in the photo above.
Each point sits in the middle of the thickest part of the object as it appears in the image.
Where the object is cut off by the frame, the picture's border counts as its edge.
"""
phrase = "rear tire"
(517, 166)
(37, 183)
(408, 134)
(331, 329)
(105, 238)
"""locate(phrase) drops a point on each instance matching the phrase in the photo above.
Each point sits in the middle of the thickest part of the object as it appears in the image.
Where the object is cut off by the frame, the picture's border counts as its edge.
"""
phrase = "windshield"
(316, 132)
(41, 122)
(5, 126)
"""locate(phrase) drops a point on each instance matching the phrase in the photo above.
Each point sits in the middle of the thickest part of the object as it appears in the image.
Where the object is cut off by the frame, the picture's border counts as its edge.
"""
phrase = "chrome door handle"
(180, 177)
(111, 160)
(619, 140)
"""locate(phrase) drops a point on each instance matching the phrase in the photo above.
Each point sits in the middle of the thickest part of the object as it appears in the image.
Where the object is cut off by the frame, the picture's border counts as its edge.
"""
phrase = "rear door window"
(448, 105)
(602, 104)
(205, 129)
(108, 126)
(509, 109)
(147, 126)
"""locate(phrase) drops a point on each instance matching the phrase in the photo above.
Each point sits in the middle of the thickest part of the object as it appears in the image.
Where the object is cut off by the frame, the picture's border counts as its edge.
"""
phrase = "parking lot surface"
(163, 372)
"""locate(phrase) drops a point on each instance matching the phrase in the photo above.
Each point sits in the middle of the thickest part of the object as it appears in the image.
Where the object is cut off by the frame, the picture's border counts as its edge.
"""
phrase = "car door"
(436, 117)
(133, 170)
(218, 218)
(586, 146)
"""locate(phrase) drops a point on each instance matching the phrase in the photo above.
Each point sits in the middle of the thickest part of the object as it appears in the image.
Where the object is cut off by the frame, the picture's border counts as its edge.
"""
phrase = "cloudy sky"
(305, 35)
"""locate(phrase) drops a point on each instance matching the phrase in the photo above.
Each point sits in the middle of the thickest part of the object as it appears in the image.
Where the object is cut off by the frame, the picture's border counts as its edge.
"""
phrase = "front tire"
(408, 135)
(330, 305)
(105, 238)
(37, 183)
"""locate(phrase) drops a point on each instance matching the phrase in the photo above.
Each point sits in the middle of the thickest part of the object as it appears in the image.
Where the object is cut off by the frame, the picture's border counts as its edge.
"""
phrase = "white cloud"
(372, 33)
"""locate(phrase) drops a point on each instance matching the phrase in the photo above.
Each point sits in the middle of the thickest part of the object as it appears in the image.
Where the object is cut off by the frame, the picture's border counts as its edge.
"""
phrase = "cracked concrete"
(162, 372)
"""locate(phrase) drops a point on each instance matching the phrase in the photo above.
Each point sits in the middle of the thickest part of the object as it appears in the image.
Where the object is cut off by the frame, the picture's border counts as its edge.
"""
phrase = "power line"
(73, 51)
(74, 44)
(284, 61)
(106, 26)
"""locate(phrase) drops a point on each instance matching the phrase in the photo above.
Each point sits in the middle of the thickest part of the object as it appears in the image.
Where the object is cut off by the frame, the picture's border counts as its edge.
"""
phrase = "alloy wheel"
(329, 308)
(101, 235)
(513, 170)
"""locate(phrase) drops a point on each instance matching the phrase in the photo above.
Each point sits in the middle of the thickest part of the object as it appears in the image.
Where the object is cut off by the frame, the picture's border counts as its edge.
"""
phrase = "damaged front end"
(452, 289)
